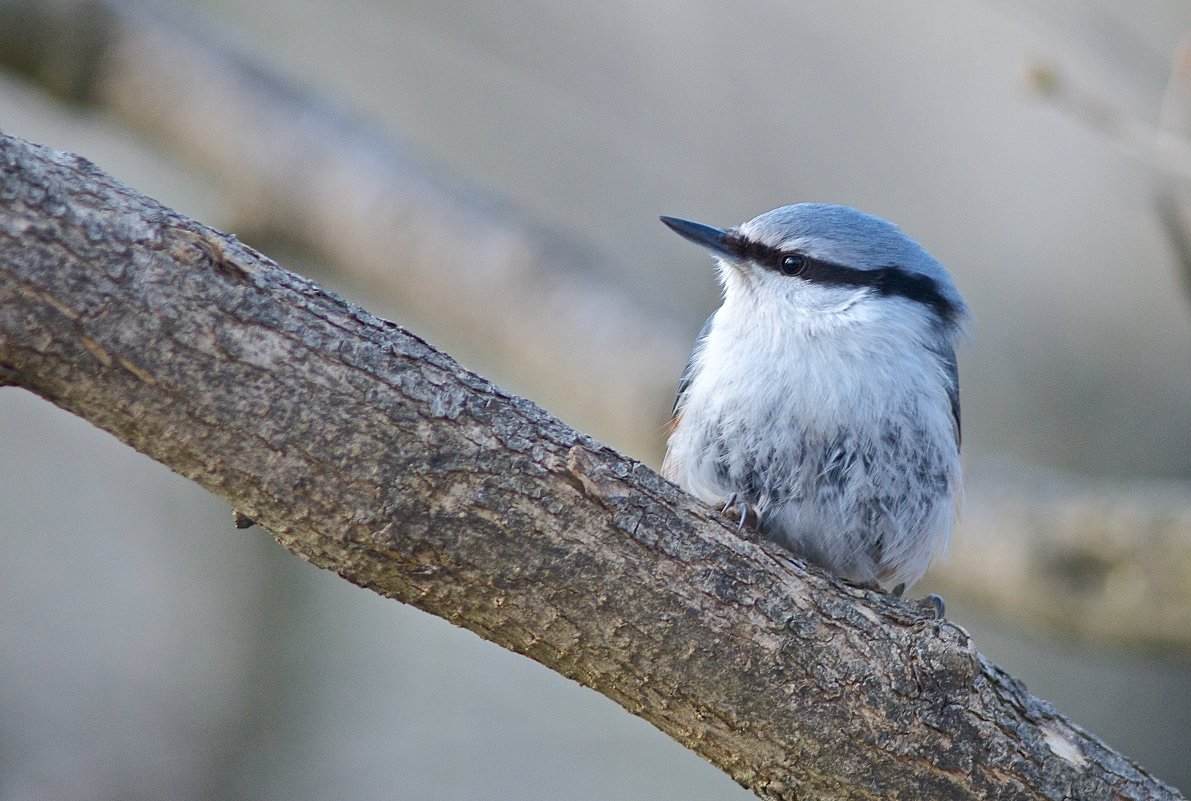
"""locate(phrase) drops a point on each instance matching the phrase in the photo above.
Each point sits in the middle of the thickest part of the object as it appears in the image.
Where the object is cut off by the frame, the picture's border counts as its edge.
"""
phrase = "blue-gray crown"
(867, 250)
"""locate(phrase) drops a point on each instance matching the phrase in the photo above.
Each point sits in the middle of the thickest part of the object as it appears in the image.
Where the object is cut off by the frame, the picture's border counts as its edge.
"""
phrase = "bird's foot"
(734, 504)
(931, 603)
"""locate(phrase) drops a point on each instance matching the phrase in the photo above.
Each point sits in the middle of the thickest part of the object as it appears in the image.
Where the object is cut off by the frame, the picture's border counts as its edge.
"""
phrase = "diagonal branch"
(489, 283)
(369, 453)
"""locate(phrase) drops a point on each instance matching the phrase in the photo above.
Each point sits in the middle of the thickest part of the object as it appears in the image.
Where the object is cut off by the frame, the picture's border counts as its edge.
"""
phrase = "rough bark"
(369, 453)
(330, 184)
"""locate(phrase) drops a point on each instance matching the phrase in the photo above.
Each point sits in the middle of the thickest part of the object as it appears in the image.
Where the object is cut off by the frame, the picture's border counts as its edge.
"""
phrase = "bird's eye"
(792, 264)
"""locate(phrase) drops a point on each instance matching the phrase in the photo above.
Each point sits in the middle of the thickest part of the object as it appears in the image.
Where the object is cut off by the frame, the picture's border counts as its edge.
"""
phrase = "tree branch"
(1164, 147)
(297, 167)
(367, 452)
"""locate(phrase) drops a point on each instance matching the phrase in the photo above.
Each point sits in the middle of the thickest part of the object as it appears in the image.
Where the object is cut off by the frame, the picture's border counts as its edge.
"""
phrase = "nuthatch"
(822, 397)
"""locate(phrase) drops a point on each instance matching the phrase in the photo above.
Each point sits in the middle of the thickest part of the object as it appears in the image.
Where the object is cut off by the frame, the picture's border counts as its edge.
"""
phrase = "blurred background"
(148, 650)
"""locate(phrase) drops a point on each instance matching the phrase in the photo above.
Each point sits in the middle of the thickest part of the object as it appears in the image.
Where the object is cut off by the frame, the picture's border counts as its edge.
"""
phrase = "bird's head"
(814, 259)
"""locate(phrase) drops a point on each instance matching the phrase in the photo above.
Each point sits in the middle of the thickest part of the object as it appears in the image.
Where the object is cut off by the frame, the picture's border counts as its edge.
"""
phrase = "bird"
(821, 400)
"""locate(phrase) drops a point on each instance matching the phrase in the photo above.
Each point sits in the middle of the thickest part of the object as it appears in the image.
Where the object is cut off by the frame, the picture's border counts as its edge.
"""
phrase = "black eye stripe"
(888, 281)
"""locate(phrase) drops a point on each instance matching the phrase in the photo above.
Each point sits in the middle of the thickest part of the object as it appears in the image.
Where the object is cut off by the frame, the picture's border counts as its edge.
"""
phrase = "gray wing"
(947, 354)
(688, 373)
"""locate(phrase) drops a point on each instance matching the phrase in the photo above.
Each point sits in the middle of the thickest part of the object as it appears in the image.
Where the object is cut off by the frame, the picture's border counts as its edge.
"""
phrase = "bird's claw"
(931, 603)
(934, 604)
(733, 502)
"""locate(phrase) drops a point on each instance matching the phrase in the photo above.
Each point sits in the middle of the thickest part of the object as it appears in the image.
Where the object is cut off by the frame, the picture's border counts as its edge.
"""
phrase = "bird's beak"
(713, 239)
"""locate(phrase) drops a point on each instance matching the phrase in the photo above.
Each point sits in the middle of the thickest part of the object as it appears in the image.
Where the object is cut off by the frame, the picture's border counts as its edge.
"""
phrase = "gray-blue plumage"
(823, 393)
